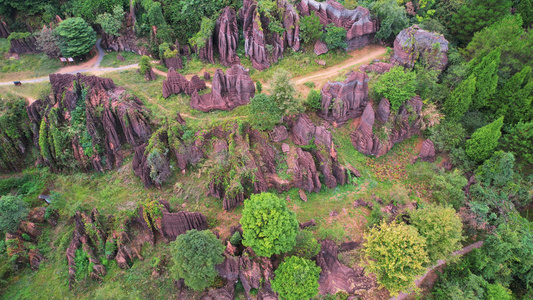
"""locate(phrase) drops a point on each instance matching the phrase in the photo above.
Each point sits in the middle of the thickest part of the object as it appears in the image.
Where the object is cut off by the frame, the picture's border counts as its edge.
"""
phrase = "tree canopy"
(269, 227)
(76, 37)
(296, 278)
(12, 211)
(397, 85)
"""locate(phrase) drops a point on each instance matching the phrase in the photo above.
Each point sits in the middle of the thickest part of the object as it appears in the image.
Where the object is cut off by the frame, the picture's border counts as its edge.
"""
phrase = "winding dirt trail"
(364, 55)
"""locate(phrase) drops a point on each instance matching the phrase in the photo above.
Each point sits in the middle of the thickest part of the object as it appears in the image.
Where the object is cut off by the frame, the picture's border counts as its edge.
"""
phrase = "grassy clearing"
(110, 59)
(30, 91)
(28, 66)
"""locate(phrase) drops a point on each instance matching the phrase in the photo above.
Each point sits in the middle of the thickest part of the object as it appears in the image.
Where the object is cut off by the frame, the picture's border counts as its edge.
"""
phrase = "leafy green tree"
(335, 37)
(48, 42)
(392, 16)
(206, 31)
(76, 37)
(513, 100)
(185, 17)
(486, 74)
(12, 211)
(265, 112)
(498, 292)
(441, 227)
(90, 9)
(497, 170)
(269, 227)
(397, 85)
(518, 141)
(525, 9)
(447, 135)
(144, 64)
(296, 278)
(195, 255)
(259, 87)
(283, 92)
(111, 23)
(396, 254)
(310, 28)
(484, 141)
(477, 15)
(306, 245)
(426, 82)
(448, 188)
(460, 99)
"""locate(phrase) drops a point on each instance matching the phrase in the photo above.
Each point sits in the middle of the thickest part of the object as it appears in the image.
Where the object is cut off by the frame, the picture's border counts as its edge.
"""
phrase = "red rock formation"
(37, 214)
(360, 27)
(127, 40)
(413, 43)
(378, 67)
(405, 124)
(335, 276)
(291, 23)
(178, 84)
(383, 112)
(227, 37)
(24, 46)
(4, 30)
(175, 224)
(427, 153)
(279, 134)
(149, 75)
(173, 62)
(320, 47)
(345, 100)
(228, 91)
(206, 53)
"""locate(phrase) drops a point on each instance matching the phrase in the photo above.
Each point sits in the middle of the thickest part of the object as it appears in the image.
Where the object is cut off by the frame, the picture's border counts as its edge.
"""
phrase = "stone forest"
(266, 149)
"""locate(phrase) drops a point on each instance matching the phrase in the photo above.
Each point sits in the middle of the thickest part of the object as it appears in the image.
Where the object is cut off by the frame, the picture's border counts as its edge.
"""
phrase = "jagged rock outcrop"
(413, 44)
(175, 224)
(149, 75)
(229, 90)
(228, 37)
(4, 30)
(320, 47)
(335, 276)
(127, 40)
(279, 134)
(24, 46)
(106, 116)
(398, 127)
(207, 52)
(178, 84)
(383, 112)
(173, 62)
(344, 100)
(378, 67)
(427, 152)
(262, 45)
(360, 27)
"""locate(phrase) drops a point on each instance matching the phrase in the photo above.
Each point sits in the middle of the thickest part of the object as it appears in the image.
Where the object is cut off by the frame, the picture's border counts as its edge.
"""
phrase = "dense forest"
(266, 149)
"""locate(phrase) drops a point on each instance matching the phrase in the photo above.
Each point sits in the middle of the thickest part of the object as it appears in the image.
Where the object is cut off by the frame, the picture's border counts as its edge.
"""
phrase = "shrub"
(296, 278)
(269, 227)
(259, 87)
(460, 99)
(236, 239)
(392, 16)
(283, 93)
(441, 227)
(335, 37)
(484, 141)
(447, 135)
(497, 170)
(264, 112)
(448, 188)
(396, 254)
(397, 86)
(12, 211)
(144, 65)
(195, 255)
(314, 100)
(310, 28)
(306, 245)
(518, 141)
(111, 23)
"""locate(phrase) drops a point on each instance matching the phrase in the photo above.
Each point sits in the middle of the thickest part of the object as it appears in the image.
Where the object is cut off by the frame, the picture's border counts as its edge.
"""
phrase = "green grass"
(27, 90)
(28, 66)
(110, 59)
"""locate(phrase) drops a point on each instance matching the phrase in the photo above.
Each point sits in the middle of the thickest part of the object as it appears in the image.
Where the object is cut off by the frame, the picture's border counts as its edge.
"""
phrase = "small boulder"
(321, 47)
(427, 153)
(303, 196)
(120, 58)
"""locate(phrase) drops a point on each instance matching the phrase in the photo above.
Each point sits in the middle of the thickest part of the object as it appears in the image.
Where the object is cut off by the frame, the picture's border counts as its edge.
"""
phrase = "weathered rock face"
(360, 27)
(345, 100)
(320, 47)
(261, 45)
(414, 44)
(206, 53)
(383, 112)
(233, 89)
(149, 75)
(404, 124)
(427, 153)
(127, 41)
(4, 30)
(378, 67)
(175, 224)
(228, 37)
(24, 46)
(335, 276)
(173, 62)
(108, 118)
(178, 84)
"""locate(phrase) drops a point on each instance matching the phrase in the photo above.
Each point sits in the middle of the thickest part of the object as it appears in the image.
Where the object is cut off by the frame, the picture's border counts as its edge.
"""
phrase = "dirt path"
(365, 55)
